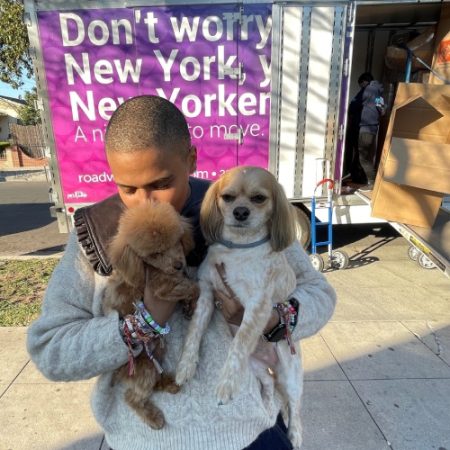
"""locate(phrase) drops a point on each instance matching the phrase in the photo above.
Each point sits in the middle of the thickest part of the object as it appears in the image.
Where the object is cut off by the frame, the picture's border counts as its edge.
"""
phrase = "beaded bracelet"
(141, 329)
(150, 321)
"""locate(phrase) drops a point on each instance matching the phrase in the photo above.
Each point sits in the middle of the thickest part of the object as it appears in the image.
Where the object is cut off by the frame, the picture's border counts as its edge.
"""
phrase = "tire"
(317, 262)
(413, 253)
(339, 260)
(303, 226)
(425, 262)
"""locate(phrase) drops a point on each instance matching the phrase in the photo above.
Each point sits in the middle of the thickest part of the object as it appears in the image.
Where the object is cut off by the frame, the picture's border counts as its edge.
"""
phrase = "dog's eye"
(227, 198)
(258, 198)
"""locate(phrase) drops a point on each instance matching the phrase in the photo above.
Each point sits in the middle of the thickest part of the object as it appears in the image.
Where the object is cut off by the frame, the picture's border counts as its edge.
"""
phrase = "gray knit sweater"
(73, 340)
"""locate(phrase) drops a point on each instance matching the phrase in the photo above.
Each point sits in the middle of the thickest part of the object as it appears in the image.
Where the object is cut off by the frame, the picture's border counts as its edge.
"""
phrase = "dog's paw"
(225, 390)
(295, 436)
(185, 371)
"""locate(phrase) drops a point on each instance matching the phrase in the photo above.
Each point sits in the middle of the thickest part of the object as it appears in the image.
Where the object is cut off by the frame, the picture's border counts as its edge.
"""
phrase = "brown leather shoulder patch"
(95, 226)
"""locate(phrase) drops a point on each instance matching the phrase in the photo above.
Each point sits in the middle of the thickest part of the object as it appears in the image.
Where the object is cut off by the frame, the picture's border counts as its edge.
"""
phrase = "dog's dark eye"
(258, 198)
(227, 198)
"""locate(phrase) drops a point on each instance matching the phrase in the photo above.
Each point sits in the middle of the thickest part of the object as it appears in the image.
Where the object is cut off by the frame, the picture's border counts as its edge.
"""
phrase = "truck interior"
(381, 33)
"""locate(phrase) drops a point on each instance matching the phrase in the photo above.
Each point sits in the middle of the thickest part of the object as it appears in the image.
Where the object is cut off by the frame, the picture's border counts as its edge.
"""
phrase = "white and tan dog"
(248, 222)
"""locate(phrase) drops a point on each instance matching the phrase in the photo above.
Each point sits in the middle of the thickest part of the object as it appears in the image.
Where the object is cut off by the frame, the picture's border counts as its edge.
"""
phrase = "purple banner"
(213, 62)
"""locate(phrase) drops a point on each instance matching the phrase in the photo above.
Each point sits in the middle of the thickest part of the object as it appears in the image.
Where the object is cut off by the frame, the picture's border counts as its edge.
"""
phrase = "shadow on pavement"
(47, 251)
(16, 218)
(89, 443)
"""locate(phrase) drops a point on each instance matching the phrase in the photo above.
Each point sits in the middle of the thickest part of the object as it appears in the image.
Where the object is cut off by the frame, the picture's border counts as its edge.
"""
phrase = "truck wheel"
(303, 226)
(339, 260)
(317, 262)
(413, 253)
(425, 262)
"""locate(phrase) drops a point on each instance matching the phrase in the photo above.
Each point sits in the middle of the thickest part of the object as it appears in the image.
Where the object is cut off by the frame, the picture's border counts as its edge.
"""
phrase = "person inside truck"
(149, 150)
(365, 110)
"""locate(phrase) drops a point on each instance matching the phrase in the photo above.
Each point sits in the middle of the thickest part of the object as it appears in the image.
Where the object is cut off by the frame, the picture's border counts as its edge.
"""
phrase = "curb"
(9, 257)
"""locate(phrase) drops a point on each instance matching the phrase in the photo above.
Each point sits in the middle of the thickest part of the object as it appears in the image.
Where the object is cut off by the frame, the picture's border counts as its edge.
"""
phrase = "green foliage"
(22, 286)
(15, 61)
(3, 145)
(28, 114)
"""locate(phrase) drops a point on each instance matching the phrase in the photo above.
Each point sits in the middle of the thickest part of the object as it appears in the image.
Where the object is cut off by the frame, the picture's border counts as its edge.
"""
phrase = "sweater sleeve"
(316, 296)
(67, 342)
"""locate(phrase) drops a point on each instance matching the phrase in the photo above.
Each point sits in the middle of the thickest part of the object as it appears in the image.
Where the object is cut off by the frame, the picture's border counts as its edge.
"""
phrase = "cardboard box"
(441, 57)
(414, 170)
(406, 165)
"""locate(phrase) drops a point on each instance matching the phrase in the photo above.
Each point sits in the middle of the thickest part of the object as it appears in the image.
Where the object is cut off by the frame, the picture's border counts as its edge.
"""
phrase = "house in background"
(9, 112)
(29, 152)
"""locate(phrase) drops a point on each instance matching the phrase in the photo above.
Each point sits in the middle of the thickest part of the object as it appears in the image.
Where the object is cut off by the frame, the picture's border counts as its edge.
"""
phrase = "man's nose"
(145, 195)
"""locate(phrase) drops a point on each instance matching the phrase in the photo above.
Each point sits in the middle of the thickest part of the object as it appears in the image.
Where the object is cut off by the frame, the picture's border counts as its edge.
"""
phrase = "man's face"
(153, 174)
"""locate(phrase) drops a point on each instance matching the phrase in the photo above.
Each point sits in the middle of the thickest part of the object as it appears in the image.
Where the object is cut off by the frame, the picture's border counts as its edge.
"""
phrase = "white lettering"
(128, 70)
(76, 103)
(266, 67)
(264, 31)
(80, 135)
(185, 28)
(197, 106)
(216, 34)
(195, 72)
(80, 33)
(100, 38)
(225, 102)
(151, 22)
(98, 31)
(173, 95)
(246, 104)
(166, 65)
(90, 108)
(71, 64)
(103, 70)
(125, 23)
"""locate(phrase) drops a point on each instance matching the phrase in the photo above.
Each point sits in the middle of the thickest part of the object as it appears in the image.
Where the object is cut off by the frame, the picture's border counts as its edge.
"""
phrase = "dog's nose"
(177, 265)
(241, 213)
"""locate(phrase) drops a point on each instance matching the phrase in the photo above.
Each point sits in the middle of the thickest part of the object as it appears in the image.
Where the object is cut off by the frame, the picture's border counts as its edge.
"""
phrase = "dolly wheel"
(317, 262)
(339, 260)
(413, 253)
(425, 262)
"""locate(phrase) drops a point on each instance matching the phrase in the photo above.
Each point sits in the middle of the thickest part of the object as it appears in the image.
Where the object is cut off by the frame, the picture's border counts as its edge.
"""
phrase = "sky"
(6, 89)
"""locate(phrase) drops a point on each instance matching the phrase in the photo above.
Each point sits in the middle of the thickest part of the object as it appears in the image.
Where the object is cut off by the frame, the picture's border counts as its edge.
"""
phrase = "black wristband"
(278, 332)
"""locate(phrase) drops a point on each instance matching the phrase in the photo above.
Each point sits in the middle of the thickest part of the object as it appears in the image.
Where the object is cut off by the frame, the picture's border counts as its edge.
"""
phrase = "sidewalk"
(376, 377)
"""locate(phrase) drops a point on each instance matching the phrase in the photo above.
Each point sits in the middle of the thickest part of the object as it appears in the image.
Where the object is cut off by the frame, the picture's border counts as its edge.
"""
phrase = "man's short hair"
(146, 121)
(366, 76)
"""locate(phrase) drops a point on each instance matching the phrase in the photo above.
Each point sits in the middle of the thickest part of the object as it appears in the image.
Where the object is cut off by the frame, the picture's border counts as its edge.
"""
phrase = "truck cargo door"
(308, 71)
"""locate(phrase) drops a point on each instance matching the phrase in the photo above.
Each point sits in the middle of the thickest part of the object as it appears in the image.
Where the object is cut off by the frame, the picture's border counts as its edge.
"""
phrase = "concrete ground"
(377, 376)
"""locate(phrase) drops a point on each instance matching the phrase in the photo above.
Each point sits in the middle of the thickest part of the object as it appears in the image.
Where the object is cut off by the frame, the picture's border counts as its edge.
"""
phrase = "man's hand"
(233, 311)
(160, 310)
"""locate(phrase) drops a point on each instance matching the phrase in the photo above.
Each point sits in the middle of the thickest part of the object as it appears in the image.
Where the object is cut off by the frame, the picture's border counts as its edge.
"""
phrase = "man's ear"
(192, 159)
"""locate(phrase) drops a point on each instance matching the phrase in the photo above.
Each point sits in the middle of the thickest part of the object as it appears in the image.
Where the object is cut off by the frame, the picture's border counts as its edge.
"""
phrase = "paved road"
(26, 227)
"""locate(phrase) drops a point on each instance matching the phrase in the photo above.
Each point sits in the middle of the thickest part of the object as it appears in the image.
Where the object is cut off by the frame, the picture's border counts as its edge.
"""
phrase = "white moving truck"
(260, 83)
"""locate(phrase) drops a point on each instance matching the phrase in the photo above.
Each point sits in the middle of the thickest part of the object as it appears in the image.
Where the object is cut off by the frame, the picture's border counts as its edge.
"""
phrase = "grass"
(22, 286)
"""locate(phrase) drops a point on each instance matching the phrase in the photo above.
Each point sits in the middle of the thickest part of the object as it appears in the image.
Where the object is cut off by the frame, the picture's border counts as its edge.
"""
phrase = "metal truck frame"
(295, 55)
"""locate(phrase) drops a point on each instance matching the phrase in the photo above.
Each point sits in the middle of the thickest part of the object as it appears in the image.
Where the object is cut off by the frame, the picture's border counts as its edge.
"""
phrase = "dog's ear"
(125, 260)
(187, 239)
(211, 220)
(283, 230)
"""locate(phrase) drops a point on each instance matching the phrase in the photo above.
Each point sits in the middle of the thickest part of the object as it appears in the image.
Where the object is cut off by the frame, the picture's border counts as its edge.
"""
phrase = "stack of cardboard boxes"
(414, 171)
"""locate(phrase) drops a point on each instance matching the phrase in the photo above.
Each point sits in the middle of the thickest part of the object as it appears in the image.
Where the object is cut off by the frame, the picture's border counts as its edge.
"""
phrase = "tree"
(28, 114)
(15, 61)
